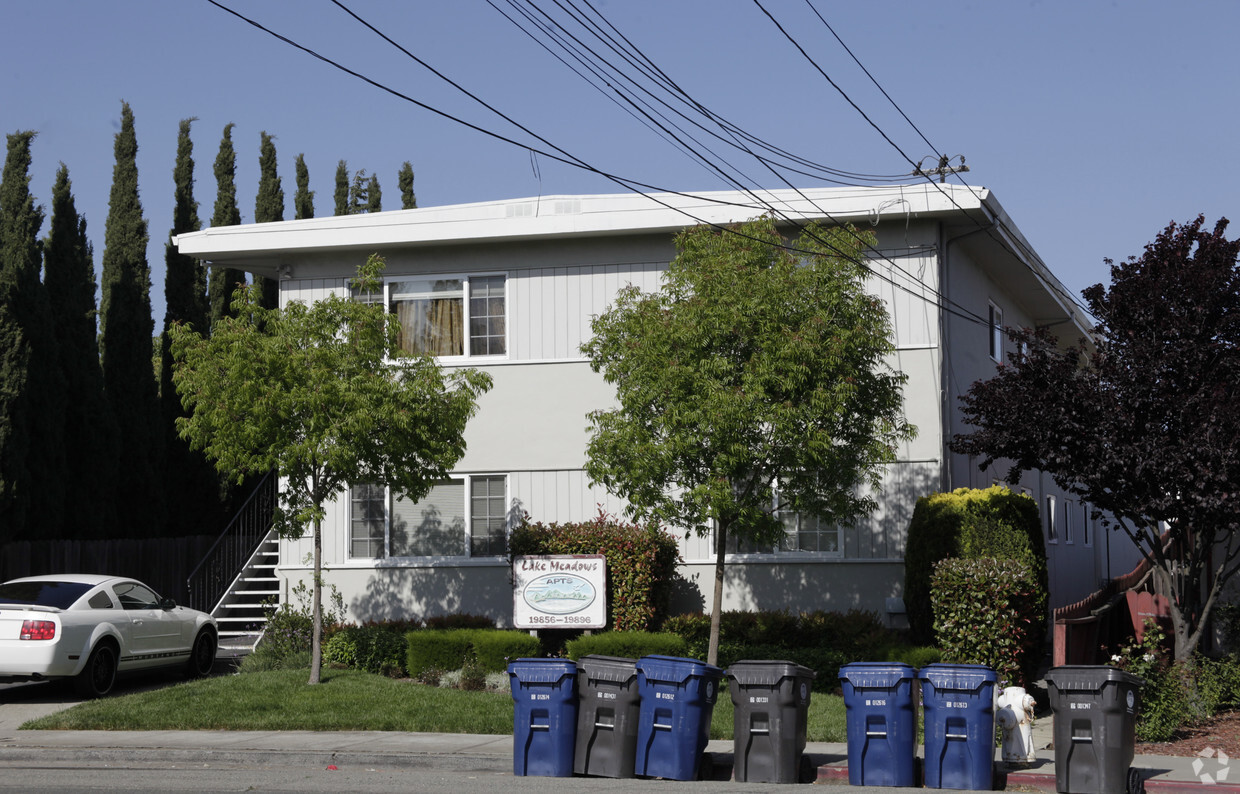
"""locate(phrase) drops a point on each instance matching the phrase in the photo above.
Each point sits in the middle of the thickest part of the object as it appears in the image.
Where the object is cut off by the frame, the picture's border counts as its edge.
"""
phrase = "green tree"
(342, 188)
(323, 395)
(268, 207)
(408, 201)
(224, 280)
(187, 473)
(359, 193)
(755, 369)
(89, 428)
(374, 196)
(31, 389)
(303, 200)
(125, 332)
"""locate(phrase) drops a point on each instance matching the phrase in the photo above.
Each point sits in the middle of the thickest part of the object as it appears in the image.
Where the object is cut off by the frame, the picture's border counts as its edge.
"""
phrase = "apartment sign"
(561, 591)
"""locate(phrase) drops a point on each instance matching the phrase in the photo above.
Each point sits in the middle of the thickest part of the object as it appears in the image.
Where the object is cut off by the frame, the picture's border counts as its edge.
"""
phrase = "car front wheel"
(97, 678)
(202, 656)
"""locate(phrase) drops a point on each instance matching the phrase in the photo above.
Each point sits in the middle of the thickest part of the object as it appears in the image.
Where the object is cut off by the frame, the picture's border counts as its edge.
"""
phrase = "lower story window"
(459, 517)
(802, 533)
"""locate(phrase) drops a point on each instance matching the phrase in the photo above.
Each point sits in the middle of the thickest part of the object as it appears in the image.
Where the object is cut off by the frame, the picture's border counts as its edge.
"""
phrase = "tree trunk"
(316, 631)
(716, 609)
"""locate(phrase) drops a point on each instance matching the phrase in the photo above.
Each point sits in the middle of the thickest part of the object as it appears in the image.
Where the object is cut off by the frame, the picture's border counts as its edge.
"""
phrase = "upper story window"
(451, 316)
(459, 517)
(996, 333)
(1052, 532)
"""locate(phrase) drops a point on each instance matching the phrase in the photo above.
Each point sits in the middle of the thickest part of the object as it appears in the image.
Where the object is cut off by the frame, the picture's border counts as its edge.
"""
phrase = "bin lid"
(1089, 677)
(749, 672)
(675, 669)
(876, 674)
(541, 671)
(958, 676)
(607, 668)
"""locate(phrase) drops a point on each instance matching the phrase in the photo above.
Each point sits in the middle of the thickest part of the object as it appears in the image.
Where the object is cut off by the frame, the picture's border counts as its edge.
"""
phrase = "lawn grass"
(346, 700)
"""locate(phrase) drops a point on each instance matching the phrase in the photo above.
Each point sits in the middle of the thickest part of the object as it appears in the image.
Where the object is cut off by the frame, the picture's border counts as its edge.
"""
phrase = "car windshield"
(47, 594)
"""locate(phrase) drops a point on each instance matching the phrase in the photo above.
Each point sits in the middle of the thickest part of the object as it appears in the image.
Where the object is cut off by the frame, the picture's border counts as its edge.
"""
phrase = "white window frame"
(467, 535)
(466, 280)
(996, 333)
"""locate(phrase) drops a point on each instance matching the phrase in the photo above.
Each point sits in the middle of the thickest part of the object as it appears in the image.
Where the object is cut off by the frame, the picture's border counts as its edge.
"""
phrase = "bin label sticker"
(664, 695)
(1079, 706)
(956, 704)
(1132, 700)
(759, 699)
(710, 691)
(559, 591)
(876, 702)
(804, 691)
(606, 695)
(537, 696)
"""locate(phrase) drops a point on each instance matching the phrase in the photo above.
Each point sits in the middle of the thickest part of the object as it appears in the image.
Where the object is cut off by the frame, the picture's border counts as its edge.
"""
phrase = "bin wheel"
(1135, 783)
(706, 769)
(808, 773)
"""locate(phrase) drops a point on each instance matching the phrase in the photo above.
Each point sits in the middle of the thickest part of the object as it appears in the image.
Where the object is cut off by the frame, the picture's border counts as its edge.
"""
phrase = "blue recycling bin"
(677, 700)
(881, 722)
(544, 719)
(958, 713)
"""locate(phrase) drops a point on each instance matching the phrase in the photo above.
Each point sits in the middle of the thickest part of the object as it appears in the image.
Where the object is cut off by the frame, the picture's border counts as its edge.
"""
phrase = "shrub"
(375, 649)
(460, 620)
(494, 648)
(627, 644)
(438, 649)
(641, 563)
(290, 625)
(986, 612)
(856, 632)
(969, 524)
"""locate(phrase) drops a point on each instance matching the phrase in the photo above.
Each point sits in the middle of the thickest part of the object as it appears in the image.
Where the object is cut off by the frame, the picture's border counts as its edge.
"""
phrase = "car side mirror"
(167, 604)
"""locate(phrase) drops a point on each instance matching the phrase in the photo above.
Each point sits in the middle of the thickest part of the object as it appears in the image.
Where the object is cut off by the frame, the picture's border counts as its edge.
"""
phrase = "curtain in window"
(431, 315)
(433, 527)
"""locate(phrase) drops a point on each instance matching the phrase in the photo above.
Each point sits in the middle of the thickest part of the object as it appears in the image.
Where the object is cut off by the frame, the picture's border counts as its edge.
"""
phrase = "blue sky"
(1094, 123)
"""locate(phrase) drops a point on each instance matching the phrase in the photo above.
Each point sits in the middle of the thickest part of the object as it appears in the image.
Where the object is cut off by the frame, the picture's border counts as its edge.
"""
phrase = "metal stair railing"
(210, 580)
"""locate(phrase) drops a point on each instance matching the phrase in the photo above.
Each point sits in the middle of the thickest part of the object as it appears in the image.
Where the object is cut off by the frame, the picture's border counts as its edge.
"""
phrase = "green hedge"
(375, 649)
(626, 644)
(986, 612)
(448, 649)
(641, 563)
(969, 524)
(855, 631)
(494, 648)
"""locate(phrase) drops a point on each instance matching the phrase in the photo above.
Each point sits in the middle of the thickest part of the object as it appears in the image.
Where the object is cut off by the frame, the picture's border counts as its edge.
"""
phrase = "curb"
(837, 774)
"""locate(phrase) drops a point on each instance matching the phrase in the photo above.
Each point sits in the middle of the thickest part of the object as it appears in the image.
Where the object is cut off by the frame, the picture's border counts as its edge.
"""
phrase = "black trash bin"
(771, 700)
(1095, 710)
(607, 716)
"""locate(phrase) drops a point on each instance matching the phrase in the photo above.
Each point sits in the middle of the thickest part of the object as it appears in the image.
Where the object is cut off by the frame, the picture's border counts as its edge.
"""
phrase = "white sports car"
(89, 628)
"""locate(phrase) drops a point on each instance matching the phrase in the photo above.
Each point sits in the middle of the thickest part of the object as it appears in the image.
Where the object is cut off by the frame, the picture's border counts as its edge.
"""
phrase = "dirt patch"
(1220, 733)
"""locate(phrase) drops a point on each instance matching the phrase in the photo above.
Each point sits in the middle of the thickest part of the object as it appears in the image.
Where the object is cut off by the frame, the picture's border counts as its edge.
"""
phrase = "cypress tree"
(224, 280)
(90, 439)
(408, 201)
(342, 188)
(126, 330)
(187, 473)
(31, 396)
(268, 207)
(303, 201)
(374, 196)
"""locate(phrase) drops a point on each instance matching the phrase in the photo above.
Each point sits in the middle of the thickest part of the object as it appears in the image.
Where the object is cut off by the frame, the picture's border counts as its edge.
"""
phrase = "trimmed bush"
(375, 649)
(626, 644)
(494, 648)
(641, 563)
(856, 631)
(436, 649)
(986, 612)
(970, 524)
(460, 620)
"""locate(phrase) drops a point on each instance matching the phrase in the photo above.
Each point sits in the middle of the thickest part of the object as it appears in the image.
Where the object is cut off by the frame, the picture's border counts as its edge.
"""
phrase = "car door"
(155, 631)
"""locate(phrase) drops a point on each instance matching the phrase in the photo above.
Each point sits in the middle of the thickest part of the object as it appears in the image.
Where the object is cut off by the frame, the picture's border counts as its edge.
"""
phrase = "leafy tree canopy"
(758, 366)
(1142, 421)
(322, 394)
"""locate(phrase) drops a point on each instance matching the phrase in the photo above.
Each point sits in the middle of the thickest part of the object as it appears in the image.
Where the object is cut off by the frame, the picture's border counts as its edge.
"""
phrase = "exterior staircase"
(238, 573)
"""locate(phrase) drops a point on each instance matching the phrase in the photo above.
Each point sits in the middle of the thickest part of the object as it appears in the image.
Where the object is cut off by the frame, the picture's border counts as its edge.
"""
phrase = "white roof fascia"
(558, 216)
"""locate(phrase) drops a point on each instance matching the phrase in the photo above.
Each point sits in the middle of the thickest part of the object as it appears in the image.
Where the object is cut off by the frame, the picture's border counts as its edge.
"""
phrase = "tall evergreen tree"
(126, 330)
(342, 188)
(359, 193)
(374, 196)
(408, 201)
(303, 201)
(224, 280)
(31, 396)
(187, 473)
(90, 474)
(268, 207)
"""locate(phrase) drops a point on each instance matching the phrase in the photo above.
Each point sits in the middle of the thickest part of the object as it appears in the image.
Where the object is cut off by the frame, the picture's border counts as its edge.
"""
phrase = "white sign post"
(567, 591)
